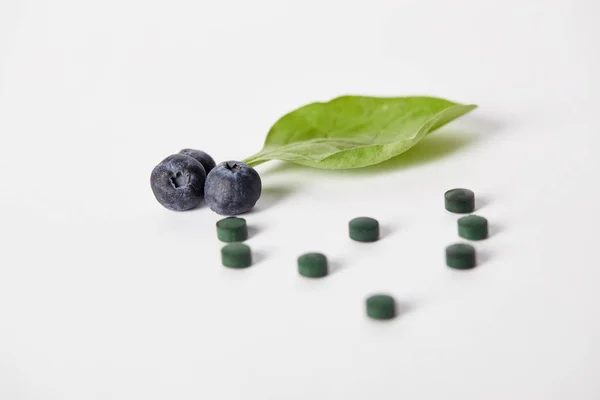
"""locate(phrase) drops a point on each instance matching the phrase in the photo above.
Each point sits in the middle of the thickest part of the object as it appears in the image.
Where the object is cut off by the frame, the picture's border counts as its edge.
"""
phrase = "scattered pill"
(460, 201)
(381, 306)
(232, 229)
(312, 265)
(460, 256)
(473, 227)
(236, 255)
(364, 229)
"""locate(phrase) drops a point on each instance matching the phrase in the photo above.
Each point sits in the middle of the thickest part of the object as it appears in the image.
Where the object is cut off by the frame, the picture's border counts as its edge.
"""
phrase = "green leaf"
(355, 131)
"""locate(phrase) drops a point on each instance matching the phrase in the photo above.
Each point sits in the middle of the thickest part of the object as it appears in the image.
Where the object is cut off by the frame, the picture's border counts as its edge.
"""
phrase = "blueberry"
(232, 188)
(178, 182)
(207, 161)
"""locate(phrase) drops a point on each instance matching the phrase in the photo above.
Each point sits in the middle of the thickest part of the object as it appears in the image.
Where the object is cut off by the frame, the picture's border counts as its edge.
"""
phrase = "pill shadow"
(482, 258)
(386, 230)
(254, 230)
(494, 230)
(404, 307)
(335, 266)
(481, 202)
(258, 257)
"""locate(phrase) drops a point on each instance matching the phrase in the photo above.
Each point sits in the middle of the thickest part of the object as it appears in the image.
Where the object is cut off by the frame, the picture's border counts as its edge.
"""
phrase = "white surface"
(106, 295)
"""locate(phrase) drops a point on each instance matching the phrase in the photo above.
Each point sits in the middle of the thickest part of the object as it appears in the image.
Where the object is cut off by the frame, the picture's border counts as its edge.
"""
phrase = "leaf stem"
(253, 160)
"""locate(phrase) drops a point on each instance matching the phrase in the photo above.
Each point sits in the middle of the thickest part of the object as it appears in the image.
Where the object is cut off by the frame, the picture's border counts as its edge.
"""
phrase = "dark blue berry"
(178, 182)
(232, 188)
(207, 161)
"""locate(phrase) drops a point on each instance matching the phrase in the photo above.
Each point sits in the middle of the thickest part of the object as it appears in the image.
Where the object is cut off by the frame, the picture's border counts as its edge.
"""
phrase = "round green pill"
(473, 227)
(232, 229)
(381, 306)
(460, 256)
(364, 229)
(236, 255)
(460, 201)
(312, 265)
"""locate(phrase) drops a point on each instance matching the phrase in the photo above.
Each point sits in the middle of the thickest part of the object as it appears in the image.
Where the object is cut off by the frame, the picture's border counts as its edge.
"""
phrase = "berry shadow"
(272, 195)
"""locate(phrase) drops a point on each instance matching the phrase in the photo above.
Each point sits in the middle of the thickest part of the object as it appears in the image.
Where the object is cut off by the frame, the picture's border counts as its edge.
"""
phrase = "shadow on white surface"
(483, 257)
(481, 202)
(387, 230)
(258, 256)
(434, 147)
(494, 230)
(335, 265)
(254, 230)
(272, 195)
(484, 124)
(404, 307)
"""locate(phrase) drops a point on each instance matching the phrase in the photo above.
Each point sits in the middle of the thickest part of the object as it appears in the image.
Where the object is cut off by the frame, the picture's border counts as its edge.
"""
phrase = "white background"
(104, 294)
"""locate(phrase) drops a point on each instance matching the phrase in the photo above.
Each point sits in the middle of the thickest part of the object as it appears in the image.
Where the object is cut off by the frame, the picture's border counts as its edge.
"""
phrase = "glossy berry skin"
(207, 161)
(178, 182)
(232, 188)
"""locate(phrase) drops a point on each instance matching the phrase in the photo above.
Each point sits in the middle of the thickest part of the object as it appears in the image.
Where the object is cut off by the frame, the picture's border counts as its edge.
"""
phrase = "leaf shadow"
(430, 149)
(434, 147)
(484, 123)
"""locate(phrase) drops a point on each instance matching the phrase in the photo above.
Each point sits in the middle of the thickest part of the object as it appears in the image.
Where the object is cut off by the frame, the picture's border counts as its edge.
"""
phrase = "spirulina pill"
(460, 201)
(381, 306)
(312, 265)
(364, 229)
(232, 229)
(460, 256)
(236, 255)
(473, 227)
